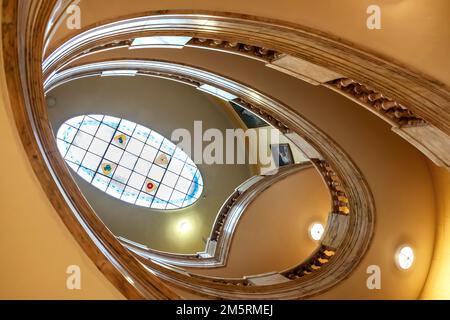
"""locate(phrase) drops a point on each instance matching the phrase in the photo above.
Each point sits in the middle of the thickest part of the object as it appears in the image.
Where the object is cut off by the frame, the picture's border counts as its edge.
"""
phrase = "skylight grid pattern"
(129, 162)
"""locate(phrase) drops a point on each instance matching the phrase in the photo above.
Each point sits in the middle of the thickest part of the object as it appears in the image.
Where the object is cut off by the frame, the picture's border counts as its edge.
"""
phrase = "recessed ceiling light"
(222, 94)
(130, 73)
(177, 42)
(405, 257)
(316, 231)
(184, 226)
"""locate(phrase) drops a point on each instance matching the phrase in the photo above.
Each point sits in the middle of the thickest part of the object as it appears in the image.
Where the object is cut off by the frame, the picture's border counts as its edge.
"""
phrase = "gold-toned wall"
(438, 282)
(414, 32)
(35, 246)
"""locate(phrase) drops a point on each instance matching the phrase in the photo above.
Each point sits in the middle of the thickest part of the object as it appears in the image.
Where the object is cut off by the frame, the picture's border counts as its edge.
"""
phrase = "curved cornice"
(417, 107)
(424, 96)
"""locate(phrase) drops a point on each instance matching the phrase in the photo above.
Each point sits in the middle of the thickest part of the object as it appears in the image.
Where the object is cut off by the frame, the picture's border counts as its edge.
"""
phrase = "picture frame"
(282, 154)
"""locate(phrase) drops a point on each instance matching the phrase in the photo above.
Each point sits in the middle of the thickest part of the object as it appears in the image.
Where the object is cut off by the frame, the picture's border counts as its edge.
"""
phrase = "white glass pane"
(149, 153)
(128, 160)
(130, 195)
(168, 147)
(170, 179)
(159, 204)
(75, 122)
(176, 166)
(63, 147)
(101, 182)
(190, 162)
(82, 140)
(141, 133)
(115, 189)
(111, 121)
(177, 198)
(89, 125)
(114, 154)
(98, 147)
(180, 154)
(105, 132)
(142, 166)
(136, 180)
(127, 127)
(66, 133)
(171, 206)
(164, 192)
(135, 146)
(155, 139)
(86, 174)
(75, 154)
(122, 174)
(156, 173)
(144, 200)
(91, 161)
(183, 185)
(188, 172)
(97, 117)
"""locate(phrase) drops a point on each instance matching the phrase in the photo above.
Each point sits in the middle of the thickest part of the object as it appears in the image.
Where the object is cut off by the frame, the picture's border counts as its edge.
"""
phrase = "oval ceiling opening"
(129, 162)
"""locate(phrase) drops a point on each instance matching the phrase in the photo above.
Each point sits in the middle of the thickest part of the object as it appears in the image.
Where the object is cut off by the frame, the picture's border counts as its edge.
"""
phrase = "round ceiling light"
(184, 227)
(405, 257)
(316, 231)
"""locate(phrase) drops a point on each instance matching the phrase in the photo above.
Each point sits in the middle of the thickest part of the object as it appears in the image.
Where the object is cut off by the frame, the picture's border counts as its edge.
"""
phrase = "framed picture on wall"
(282, 154)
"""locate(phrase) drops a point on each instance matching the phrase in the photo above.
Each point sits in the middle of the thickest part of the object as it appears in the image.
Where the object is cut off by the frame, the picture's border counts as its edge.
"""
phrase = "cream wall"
(414, 32)
(36, 247)
(438, 282)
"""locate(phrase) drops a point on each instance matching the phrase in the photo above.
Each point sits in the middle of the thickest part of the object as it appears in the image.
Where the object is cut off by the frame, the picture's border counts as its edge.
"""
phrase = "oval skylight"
(129, 162)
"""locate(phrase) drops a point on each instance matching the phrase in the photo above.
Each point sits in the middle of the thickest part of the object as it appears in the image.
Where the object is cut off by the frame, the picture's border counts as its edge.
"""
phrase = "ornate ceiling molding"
(422, 95)
(416, 106)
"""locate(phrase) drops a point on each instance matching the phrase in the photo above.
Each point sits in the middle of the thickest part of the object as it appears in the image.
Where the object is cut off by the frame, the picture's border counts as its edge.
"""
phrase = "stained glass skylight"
(129, 162)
